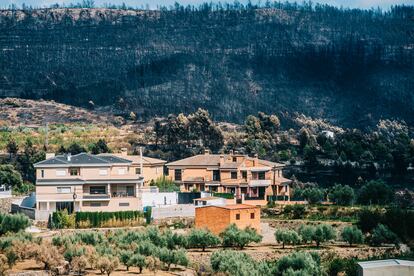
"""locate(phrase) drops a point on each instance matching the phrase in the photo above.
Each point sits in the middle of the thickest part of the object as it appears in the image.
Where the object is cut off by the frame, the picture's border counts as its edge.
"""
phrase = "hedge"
(96, 219)
(224, 195)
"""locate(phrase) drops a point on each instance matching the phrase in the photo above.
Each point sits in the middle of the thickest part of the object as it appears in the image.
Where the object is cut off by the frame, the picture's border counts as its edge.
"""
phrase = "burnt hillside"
(349, 66)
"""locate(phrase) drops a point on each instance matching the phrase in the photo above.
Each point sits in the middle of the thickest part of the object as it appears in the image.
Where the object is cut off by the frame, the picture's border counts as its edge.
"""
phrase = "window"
(234, 159)
(74, 171)
(130, 190)
(137, 170)
(121, 171)
(95, 204)
(251, 215)
(237, 216)
(244, 174)
(103, 172)
(123, 204)
(97, 190)
(42, 173)
(233, 175)
(177, 175)
(216, 175)
(64, 190)
(261, 175)
(60, 172)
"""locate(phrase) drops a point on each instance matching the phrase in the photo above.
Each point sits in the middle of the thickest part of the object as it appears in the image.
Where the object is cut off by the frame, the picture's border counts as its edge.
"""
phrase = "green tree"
(233, 236)
(165, 184)
(323, 233)
(202, 238)
(12, 148)
(124, 257)
(313, 195)
(100, 147)
(287, 237)
(177, 257)
(75, 148)
(382, 234)
(307, 232)
(375, 192)
(136, 260)
(236, 263)
(298, 263)
(10, 177)
(342, 194)
(352, 235)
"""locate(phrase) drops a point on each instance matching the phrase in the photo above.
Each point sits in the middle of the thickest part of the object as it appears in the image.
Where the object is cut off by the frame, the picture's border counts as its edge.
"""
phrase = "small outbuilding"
(389, 267)
(218, 218)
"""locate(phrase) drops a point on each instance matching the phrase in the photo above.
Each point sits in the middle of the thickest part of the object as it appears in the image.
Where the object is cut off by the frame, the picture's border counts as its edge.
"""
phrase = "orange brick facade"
(218, 218)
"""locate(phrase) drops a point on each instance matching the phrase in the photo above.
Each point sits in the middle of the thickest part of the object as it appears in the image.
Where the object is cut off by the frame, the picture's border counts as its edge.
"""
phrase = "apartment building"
(86, 182)
(246, 177)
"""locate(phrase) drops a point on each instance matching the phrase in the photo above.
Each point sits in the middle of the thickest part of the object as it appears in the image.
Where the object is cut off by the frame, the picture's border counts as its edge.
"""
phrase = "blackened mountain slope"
(349, 66)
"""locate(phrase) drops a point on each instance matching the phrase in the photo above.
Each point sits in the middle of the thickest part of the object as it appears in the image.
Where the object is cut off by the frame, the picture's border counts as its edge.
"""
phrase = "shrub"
(287, 237)
(73, 251)
(224, 195)
(137, 260)
(165, 184)
(233, 236)
(48, 255)
(13, 223)
(110, 219)
(107, 264)
(382, 234)
(298, 263)
(342, 195)
(3, 264)
(368, 219)
(339, 266)
(202, 238)
(352, 235)
(230, 262)
(62, 219)
(296, 211)
(79, 264)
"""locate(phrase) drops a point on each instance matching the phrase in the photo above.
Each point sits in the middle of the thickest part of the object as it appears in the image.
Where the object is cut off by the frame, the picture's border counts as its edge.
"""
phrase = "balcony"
(96, 196)
(259, 182)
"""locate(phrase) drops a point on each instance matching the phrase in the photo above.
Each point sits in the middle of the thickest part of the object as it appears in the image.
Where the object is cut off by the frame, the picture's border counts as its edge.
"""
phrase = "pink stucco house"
(86, 182)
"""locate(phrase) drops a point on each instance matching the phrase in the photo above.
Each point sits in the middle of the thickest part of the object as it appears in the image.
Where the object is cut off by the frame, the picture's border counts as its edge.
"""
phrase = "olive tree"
(233, 236)
(287, 237)
(202, 238)
(137, 260)
(352, 235)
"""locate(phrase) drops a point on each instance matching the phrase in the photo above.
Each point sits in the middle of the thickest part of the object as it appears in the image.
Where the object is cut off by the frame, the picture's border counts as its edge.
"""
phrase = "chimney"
(124, 151)
(69, 156)
(256, 160)
(141, 165)
(221, 159)
(231, 152)
(50, 155)
(206, 152)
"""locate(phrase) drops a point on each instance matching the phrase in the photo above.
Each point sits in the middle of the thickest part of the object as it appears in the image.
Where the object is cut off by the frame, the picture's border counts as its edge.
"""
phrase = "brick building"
(218, 218)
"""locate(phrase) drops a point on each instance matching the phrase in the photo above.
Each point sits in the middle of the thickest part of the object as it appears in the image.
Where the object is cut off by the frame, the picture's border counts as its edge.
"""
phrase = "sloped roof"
(232, 206)
(214, 160)
(136, 158)
(82, 159)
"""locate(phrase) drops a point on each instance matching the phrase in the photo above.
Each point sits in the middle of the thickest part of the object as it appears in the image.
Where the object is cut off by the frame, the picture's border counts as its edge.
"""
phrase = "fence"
(188, 198)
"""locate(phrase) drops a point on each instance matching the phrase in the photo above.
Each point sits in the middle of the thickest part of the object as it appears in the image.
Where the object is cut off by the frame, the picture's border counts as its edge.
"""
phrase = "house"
(210, 200)
(245, 177)
(218, 218)
(390, 267)
(152, 168)
(86, 182)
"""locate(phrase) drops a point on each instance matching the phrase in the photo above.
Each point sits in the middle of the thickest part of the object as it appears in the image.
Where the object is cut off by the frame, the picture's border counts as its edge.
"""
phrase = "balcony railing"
(96, 196)
(259, 182)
